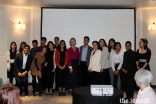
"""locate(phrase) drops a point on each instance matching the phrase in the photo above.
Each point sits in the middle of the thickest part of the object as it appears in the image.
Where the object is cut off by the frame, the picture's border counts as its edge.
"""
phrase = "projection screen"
(95, 23)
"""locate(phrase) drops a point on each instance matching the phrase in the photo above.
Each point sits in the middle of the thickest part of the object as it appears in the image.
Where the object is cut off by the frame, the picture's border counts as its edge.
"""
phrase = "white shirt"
(24, 60)
(117, 58)
(146, 96)
(110, 57)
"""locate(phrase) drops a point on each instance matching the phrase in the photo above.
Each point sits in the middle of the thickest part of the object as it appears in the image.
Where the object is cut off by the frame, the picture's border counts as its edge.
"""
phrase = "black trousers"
(34, 82)
(56, 80)
(22, 82)
(116, 81)
(49, 78)
(74, 77)
(62, 77)
(10, 78)
(128, 83)
(10, 74)
(83, 74)
(43, 78)
(39, 84)
(105, 77)
(95, 78)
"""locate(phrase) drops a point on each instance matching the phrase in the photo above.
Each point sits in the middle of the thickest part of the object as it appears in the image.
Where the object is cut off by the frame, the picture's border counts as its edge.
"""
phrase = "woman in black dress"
(143, 55)
(11, 54)
(22, 45)
(50, 68)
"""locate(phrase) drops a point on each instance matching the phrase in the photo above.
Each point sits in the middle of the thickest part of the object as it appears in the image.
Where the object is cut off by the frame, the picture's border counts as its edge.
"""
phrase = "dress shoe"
(60, 93)
(63, 94)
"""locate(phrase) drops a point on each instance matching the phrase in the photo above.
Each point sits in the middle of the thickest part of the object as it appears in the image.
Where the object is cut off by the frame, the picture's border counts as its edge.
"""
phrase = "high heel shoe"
(50, 93)
(40, 95)
(63, 94)
(34, 94)
(70, 91)
(60, 93)
(47, 93)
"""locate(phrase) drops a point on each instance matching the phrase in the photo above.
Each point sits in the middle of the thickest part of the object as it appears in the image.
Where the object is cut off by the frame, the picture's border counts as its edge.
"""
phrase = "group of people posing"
(76, 67)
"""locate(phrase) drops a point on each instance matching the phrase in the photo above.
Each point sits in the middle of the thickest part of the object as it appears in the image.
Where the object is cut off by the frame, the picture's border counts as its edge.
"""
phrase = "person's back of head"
(9, 94)
(144, 77)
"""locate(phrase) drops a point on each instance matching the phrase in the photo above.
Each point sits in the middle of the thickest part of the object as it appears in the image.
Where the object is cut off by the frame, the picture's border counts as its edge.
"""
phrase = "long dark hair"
(145, 41)
(20, 48)
(109, 47)
(103, 41)
(11, 45)
(48, 49)
(9, 94)
(117, 43)
(59, 47)
(97, 45)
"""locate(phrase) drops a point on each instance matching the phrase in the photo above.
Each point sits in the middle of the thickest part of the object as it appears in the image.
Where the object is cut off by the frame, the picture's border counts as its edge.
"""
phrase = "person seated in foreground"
(146, 94)
(9, 94)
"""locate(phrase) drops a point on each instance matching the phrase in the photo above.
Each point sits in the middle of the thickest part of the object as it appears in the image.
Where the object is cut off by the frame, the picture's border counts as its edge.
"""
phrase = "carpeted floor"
(48, 99)
(51, 99)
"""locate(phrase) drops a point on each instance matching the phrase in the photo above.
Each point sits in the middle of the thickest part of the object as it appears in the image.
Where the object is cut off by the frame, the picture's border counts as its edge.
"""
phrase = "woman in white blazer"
(11, 54)
(104, 73)
(94, 65)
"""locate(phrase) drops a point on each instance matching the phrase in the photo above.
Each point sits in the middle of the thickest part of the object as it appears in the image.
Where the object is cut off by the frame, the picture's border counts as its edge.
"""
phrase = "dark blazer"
(130, 61)
(90, 49)
(18, 63)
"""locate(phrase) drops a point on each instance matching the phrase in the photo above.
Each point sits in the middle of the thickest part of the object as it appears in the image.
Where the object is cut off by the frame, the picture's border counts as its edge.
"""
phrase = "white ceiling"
(104, 3)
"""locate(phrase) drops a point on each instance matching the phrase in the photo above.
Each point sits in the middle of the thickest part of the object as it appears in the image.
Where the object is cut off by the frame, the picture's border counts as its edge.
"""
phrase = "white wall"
(15, 15)
(9, 17)
(3, 42)
(35, 21)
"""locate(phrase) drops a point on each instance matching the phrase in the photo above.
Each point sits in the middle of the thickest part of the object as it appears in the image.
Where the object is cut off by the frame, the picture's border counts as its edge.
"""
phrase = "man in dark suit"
(22, 66)
(84, 59)
(128, 71)
(56, 41)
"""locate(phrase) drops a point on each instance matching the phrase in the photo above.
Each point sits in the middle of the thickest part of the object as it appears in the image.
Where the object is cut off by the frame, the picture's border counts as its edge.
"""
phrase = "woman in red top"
(73, 64)
(62, 57)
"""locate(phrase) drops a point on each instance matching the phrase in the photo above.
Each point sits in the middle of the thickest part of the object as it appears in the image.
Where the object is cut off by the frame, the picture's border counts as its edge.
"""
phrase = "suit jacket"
(95, 59)
(130, 61)
(105, 58)
(18, 63)
(90, 49)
